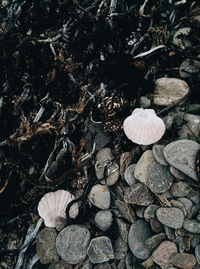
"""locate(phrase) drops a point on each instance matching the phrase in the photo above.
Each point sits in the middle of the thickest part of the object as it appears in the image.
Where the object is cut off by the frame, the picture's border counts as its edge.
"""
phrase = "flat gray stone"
(72, 243)
(180, 189)
(141, 169)
(158, 154)
(171, 217)
(182, 155)
(169, 90)
(138, 234)
(104, 219)
(159, 178)
(120, 248)
(192, 226)
(138, 194)
(46, 246)
(100, 250)
(129, 175)
(163, 254)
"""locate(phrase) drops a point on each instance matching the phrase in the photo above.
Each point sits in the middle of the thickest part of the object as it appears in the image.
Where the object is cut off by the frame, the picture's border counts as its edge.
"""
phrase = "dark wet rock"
(140, 211)
(182, 155)
(138, 194)
(156, 226)
(189, 67)
(72, 243)
(141, 169)
(145, 102)
(180, 189)
(195, 241)
(158, 154)
(170, 233)
(129, 175)
(126, 211)
(194, 196)
(100, 250)
(46, 246)
(104, 219)
(159, 178)
(192, 226)
(171, 217)
(153, 241)
(184, 260)
(163, 254)
(150, 212)
(197, 253)
(138, 234)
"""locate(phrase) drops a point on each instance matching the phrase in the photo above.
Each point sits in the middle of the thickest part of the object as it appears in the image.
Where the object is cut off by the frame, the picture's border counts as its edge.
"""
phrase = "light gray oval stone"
(158, 154)
(100, 196)
(104, 219)
(182, 155)
(129, 175)
(171, 217)
(103, 157)
(46, 246)
(72, 243)
(159, 178)
(138, 234)
(192, 226)
(100, 250)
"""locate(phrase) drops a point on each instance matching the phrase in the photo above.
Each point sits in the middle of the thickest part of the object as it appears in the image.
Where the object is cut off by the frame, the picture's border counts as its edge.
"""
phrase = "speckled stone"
(159, 178)
(150, 212)
(126, 211)
(191, 128)
(100, 250)
(188, 206)
(120, 248)
(163, 254)
(171, 217)
(138, 234)
(180, 189)
(138, 194)
(153, 241)
(158, 154)
(141, 169)
(72, 243)
(123, 229)
(182, 155)
(184, 260)
(104, 219)
(192, 226)
(46, 246)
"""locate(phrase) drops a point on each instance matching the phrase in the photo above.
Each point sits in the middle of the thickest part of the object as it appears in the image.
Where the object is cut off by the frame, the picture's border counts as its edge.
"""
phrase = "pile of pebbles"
(152, 211)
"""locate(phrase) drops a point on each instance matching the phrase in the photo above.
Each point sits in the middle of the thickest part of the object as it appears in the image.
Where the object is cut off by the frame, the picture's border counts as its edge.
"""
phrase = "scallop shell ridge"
(54, 204)
(144, 127)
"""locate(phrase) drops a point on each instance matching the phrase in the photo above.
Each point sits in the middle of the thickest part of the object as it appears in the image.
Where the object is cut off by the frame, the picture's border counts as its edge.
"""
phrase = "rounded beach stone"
(159, 178)
(104, 219)
(102, 159)
(138, 234)
(192, 226)
(100, 250)
(145, 102)
(141, 169)
(138, 194)
(176, 173)
(184, 260)
(72, 243)
(129, 175)
(100, 196)
(182, 155)
(168, 90)
(180, 189)
(150, 212)
(163, 254)
(171, 217)
(158, 154)
(46, 246)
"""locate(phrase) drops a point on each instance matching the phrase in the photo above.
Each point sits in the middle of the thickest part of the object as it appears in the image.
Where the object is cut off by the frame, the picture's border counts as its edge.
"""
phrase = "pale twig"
(149, 51)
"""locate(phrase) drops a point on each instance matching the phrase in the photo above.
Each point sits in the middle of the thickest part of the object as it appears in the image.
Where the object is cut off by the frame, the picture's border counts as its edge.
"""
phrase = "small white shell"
(144, 127)
(53, 205)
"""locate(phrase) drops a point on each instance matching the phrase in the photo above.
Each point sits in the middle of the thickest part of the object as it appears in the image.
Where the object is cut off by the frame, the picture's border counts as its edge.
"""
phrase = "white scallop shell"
(144, 127)
(53, 205)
